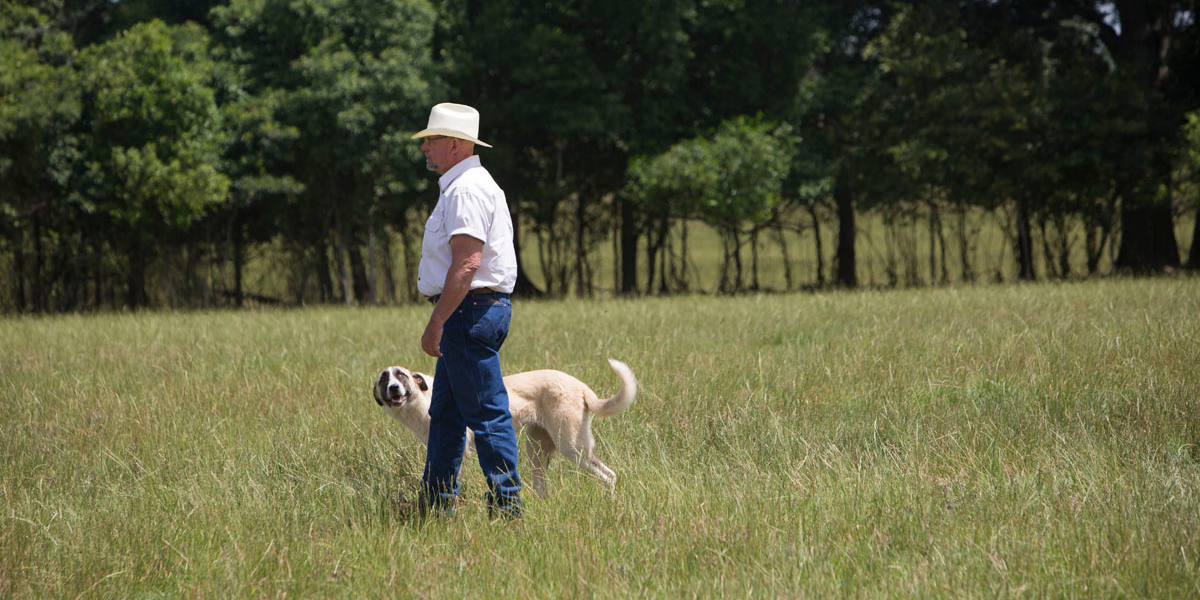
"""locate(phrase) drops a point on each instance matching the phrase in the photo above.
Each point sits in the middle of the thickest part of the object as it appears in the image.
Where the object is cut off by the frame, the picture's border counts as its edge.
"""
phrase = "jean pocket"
(492, 317)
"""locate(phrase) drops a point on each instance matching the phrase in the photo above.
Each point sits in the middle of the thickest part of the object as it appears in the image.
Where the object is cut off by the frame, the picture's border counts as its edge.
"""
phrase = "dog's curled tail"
(623, 398)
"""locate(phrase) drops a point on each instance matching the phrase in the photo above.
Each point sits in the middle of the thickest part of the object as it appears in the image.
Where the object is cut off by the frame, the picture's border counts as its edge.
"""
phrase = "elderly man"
(468, 269)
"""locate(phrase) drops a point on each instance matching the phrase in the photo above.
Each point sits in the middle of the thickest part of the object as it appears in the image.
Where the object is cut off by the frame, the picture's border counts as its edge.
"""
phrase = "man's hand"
(431, 339)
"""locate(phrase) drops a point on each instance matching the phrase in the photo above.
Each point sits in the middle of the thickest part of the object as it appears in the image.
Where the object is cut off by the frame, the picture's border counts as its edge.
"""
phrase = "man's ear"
(421, 382)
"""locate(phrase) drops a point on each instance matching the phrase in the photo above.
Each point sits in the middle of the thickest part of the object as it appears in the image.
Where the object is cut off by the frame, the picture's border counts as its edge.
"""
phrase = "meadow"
(1037, 440)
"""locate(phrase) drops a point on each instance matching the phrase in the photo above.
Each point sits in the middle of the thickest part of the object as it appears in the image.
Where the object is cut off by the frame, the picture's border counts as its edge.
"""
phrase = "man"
(468, 269)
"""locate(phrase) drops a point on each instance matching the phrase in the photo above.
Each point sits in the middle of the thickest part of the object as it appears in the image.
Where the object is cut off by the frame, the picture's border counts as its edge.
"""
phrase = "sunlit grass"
(1037, 440)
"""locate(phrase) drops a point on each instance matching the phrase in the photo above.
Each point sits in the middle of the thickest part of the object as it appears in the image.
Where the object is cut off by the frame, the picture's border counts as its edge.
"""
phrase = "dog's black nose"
(394, 389)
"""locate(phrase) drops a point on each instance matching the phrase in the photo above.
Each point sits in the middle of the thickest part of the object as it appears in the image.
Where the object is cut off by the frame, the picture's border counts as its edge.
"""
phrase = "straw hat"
(453, 120)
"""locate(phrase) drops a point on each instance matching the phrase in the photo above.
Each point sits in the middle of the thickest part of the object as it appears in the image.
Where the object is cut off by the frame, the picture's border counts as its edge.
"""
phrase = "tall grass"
(1037, 440)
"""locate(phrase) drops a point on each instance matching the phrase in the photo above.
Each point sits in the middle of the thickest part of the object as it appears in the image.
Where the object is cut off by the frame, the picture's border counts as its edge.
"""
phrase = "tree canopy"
(141, 139)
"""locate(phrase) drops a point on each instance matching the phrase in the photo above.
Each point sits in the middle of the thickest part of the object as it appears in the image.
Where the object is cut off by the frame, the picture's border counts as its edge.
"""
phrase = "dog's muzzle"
(396, 395)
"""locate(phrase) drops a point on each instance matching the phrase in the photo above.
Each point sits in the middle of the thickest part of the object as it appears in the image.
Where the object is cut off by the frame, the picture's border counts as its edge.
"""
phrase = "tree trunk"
(1047, 253)
(1064, 246)
(933, 224)
(783, 250)
(812, 210)
(389, 269)
(372, 263)
(846, 267)
(754, 285)
(1097, 237)
(238, 241)
(737, 258)
(37, 286)
(583, 286)
(1144, 43)
(964, 246)
(1147, 239)
(358, 276)
(654, 245)
(411, 263)
(1024, 250)
(941, 238)
(683, 255)
(19, 271)
(524, 286)
(135, 293)
(629, 238)
(324, 277)
(615, 240)
(1194, 252)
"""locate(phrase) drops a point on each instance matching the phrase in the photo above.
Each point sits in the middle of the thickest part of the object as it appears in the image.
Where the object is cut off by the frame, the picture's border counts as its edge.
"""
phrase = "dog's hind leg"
(540, 448)
(581, 453)
(592, 465)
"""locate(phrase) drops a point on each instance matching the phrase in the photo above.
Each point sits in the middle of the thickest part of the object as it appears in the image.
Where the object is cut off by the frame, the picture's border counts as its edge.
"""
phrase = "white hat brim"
(449, 133)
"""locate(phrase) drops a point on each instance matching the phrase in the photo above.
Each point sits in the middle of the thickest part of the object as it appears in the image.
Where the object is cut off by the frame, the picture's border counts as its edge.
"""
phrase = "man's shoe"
(506, 508)
(435, 505)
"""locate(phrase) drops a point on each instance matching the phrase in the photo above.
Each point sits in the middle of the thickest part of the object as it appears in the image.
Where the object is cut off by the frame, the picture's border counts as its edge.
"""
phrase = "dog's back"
(548, 389)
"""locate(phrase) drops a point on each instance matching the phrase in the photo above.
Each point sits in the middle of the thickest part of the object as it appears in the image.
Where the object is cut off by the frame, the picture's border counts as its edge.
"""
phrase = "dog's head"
(396, 386)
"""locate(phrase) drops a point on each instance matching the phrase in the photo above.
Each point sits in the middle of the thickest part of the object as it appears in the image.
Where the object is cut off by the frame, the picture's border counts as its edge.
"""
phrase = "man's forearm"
(466, 257)
(458, 283)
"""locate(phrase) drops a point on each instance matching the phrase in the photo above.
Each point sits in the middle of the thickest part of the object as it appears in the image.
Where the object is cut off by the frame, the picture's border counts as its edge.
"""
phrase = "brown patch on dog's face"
(395, 386)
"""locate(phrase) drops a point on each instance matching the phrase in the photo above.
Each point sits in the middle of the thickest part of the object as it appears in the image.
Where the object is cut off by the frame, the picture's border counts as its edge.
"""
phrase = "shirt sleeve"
(468, 213)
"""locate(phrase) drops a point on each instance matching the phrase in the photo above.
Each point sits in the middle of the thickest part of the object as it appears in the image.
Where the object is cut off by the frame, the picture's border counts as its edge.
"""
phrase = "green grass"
(1037, 440)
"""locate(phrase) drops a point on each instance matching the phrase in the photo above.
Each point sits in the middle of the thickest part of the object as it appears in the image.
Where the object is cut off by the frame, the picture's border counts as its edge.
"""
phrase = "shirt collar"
(449, 176)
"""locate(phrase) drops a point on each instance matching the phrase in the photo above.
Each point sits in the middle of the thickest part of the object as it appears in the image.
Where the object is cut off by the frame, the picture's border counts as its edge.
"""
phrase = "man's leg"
(447, 437)
(478, 388)
(495, 438)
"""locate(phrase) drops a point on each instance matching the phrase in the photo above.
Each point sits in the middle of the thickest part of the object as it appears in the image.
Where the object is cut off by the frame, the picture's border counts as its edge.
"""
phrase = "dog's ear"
(420, 379)
(379, 383)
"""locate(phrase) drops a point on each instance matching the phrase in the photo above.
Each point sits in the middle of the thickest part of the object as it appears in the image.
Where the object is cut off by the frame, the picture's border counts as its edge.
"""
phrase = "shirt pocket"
(434, 230)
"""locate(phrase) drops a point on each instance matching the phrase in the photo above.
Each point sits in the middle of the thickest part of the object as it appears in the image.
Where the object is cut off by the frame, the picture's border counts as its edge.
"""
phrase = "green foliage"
(1190, 159)
(39, 105)
(350, 77)
(730, 178)
(123, 127)
(152, 156)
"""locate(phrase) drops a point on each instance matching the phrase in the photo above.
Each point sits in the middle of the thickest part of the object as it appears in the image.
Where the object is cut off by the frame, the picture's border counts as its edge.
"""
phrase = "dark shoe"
(435, 505)
(509, 508)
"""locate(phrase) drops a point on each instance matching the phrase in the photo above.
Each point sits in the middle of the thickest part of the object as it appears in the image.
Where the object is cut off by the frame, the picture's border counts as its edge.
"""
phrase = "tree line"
(147, 144)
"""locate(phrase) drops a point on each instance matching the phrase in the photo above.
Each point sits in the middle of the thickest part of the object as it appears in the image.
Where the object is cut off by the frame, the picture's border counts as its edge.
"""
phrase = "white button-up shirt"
(470, 203)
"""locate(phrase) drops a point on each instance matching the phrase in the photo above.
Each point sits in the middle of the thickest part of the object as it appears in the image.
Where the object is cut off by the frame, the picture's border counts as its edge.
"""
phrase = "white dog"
(554, 409)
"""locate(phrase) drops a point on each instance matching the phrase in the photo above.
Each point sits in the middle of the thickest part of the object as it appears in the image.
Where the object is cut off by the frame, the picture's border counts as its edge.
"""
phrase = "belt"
(475, 292)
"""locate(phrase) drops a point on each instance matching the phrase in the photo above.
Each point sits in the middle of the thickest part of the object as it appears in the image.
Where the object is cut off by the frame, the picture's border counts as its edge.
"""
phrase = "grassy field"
(1021, 441)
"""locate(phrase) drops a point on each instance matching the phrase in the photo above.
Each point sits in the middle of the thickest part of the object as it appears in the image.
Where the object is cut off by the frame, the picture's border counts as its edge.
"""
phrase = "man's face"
(438, 151)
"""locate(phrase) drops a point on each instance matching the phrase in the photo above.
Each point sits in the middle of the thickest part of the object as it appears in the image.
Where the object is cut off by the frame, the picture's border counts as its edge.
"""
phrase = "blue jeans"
(468, 391)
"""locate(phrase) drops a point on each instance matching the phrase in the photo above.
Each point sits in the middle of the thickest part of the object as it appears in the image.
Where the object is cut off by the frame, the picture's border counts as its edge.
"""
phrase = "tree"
(1190, 170)
(1151, 51)
(834, 113)
(153, 140)
(731, 179)
(353, 78)
(39, 105)
(575, 89)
